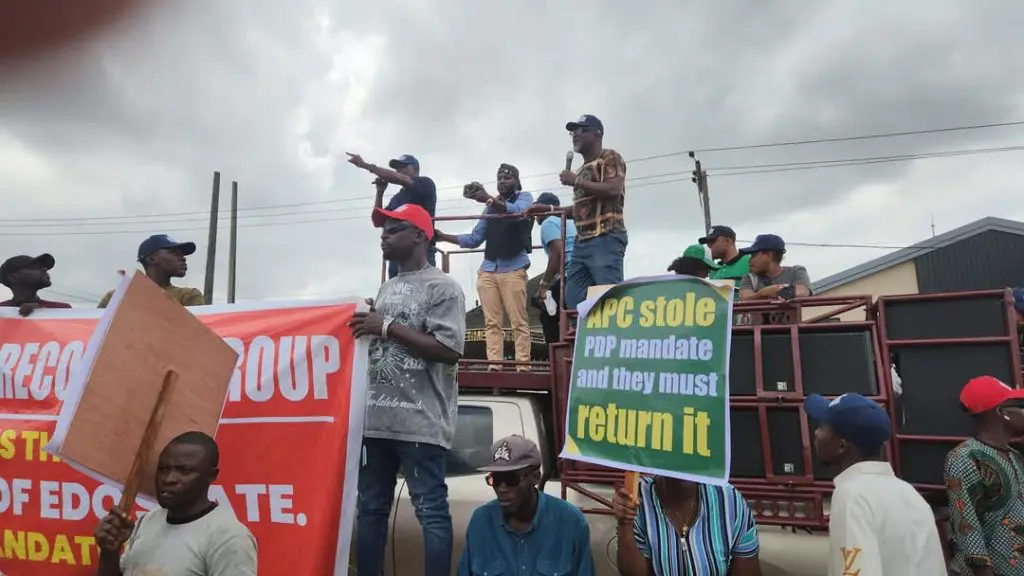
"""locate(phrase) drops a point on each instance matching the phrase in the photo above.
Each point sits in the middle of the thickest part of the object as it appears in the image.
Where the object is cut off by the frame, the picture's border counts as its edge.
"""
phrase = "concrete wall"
(900, 279)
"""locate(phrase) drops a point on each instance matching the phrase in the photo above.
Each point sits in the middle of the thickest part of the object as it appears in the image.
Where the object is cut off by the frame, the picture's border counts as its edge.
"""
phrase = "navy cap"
(548, 198)
(1018, 298)
(856, 419)
(718, 232)
(15, 263)
(765, 242)
(404, 160)
(586, 121)
(161, 241)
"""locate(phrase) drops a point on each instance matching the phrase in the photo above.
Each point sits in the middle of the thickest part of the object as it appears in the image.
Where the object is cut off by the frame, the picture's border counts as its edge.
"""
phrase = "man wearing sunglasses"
(418, 330)
(524, 530)
(599, 195)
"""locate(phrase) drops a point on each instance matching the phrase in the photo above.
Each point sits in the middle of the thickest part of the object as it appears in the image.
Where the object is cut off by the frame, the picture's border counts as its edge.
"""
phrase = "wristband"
(385, 325)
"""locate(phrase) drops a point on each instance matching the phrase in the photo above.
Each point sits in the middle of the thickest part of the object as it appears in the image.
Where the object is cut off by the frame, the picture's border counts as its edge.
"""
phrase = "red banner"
(289, 437)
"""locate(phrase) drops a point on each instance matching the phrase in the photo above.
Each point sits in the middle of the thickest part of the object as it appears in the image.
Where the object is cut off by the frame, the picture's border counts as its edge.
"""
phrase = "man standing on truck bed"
(418, 323)
(721, 240)
(879, 524)
(416, 189)
(983, 480)
(599, 195)
(524, 530)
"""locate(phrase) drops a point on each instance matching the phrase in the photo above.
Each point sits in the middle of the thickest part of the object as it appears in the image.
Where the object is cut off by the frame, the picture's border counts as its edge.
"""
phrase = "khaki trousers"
(501, 293)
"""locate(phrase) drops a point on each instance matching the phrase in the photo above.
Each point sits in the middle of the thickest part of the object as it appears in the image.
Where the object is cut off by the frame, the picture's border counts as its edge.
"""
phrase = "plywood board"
(142, 336)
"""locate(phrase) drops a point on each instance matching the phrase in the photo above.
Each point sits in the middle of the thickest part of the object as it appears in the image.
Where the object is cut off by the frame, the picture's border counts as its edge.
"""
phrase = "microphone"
(568, 160)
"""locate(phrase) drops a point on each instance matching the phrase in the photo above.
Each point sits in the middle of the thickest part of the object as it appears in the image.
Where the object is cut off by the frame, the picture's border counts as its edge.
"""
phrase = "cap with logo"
(765, 243)
(1018, 298)
(856, 419)
(403, 160)
(513, 453)
(985, 393)
(718, 232)
(162, 241)
(586, 121)
(413, 214)
(15, 263)
(702, 253)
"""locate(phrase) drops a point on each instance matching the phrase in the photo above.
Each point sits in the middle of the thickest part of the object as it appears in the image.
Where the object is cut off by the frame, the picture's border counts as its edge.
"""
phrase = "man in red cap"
(984, 481)
(26, 276)
(418, 327)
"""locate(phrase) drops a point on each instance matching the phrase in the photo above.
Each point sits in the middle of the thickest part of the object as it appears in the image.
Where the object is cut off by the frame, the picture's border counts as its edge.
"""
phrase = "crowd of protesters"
(878, 525)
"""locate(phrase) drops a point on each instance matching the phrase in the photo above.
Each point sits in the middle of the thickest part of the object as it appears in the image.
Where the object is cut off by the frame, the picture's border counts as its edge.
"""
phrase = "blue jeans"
(423, 469)
(595, 262)
(393, 266)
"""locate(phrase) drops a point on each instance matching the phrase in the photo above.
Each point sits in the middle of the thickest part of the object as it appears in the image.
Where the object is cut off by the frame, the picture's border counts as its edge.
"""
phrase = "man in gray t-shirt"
(418, 323)
(768, 278)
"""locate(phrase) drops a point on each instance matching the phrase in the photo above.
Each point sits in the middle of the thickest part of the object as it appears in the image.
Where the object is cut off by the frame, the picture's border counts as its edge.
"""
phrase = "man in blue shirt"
(416, 189)
(550, 220)
(523, 530)
(501, 282)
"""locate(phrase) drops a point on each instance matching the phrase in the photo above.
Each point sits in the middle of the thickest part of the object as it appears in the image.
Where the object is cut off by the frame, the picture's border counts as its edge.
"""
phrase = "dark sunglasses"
(398, 228)
(509, 479)
(583, 130)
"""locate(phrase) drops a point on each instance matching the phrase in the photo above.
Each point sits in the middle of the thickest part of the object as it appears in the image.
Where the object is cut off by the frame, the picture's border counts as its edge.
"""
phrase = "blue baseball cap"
(765, 242)
(586, 121)
(1018, 298)
(549, 199)
(161, 241)
(856, 419)
(404, 160)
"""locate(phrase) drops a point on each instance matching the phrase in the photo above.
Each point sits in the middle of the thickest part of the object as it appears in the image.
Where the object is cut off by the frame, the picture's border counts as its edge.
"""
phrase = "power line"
(546, 174)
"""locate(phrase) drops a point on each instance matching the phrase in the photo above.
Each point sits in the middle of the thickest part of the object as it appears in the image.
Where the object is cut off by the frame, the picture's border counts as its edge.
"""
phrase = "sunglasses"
(398, 228)
(583, 130)
(509, 479)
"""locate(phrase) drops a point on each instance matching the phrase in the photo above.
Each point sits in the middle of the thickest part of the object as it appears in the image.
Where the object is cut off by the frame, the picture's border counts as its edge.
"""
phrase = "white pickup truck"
(483, 418)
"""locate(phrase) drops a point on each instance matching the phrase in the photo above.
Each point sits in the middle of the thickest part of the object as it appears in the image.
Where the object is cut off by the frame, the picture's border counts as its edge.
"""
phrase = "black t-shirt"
(423, 193)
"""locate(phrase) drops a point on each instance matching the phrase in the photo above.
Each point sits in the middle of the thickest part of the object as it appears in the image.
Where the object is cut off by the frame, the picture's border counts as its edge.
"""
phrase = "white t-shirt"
(216, 544)
(881, 526)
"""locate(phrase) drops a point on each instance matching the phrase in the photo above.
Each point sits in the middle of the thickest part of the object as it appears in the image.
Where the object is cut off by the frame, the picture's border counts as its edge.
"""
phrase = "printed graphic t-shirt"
(408, 398)
(215, 544)
(596, 217)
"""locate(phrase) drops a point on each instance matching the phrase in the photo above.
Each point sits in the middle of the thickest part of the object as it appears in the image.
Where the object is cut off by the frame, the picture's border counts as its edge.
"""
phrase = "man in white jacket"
(879, 525)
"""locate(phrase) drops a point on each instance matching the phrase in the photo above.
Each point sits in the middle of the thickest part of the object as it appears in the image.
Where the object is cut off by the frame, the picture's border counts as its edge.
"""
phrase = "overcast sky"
(118, 138)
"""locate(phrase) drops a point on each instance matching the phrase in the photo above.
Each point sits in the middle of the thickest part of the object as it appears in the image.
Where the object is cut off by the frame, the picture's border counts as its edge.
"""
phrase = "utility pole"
(233, 248)
(700, 178)
(931, 215)
(211, 247)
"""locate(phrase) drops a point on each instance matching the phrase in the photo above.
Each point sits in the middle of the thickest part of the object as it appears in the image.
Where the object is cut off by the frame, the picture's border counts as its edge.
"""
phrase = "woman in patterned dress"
(684, 528)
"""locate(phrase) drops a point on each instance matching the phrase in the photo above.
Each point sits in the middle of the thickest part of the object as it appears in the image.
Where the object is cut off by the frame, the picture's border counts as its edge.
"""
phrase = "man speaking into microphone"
(599, 195)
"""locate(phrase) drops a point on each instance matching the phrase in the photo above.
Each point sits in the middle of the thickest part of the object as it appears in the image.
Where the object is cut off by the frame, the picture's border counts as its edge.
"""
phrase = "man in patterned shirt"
(983, 479)
(599, 194)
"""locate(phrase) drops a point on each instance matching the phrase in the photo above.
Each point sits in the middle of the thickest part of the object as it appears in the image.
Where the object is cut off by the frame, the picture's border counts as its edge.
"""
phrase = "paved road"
(784, 553)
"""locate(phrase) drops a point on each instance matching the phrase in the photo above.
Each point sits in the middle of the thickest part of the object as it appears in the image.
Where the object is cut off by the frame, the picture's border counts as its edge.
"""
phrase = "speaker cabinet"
(832, 362)
(923, 462)
(960, 317)
(932, 378)
(784, 437)
(837, 362)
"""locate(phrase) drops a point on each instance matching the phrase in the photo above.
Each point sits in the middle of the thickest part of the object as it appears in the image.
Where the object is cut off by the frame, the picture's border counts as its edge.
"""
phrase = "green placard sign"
(649, 389)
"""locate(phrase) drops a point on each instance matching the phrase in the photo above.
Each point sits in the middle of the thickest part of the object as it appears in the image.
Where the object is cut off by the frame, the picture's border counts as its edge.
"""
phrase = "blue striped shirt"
(724, 528)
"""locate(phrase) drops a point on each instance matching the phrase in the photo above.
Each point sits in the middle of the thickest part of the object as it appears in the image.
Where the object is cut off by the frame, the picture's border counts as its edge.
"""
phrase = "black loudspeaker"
(784, 436)
(833, 362)
(923, 462)
(932, 377)
(961, 317)
(839, 361)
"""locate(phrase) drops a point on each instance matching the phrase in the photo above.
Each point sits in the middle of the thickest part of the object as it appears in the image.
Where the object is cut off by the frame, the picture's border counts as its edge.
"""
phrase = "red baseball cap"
(413, 214)
(984, 393)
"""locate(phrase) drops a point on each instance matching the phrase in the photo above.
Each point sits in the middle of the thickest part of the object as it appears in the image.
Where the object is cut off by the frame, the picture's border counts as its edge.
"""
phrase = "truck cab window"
(474, 434)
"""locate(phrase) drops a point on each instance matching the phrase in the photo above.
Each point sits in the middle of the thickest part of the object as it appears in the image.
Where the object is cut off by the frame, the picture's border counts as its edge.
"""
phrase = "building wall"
(900, 279)
(989, 260)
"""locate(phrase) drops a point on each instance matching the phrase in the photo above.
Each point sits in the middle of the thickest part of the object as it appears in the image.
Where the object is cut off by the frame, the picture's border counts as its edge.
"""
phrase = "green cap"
(702, 253)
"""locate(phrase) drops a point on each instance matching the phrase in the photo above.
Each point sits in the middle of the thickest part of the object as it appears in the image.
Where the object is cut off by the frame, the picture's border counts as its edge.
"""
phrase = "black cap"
(15, 263)
(718, 232)
(548, 198)
(161, 241)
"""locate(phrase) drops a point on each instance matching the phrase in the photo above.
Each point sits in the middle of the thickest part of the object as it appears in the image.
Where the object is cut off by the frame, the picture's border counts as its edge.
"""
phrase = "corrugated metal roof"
(905, 254)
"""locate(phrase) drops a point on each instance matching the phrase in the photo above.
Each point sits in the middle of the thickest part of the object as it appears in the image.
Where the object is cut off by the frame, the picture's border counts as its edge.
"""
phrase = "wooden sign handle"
(632, 485)
(141, 462)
